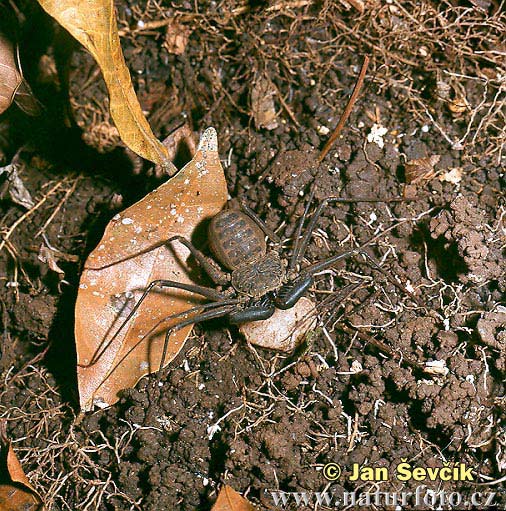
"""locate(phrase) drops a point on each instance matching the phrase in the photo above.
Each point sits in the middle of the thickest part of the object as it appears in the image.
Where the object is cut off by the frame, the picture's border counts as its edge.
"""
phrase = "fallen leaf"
(421, 169)
(283, 331)
(176, 37)
(262, 103)
(453, 176)
(17, 190)
(130, 255)
(26, 101)
(229, 500)
(173, 143)
(93, 24)
(16, 492)
(10, 77)
(47, 256)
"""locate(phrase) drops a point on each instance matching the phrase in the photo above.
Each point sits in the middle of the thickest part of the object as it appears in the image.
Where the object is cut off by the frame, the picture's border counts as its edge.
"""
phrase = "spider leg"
(298, 232)
(300, 248)
(290, 293)
(210, 267)
(199, 308)
(208, 292)
(204, 316)
(327, 263)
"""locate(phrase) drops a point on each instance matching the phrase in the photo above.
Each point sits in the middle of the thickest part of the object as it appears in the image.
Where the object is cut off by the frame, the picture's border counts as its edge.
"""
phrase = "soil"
(226, 412)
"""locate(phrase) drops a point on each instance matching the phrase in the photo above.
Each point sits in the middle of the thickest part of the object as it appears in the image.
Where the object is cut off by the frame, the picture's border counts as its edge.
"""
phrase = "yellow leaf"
(93, 24)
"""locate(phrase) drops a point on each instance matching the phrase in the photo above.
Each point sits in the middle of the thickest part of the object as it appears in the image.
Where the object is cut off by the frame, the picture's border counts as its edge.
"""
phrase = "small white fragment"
(127, 221)
(356, 367)
(98, 401)
(425, 128)
(180, 219)
(138, 230)
(436, 367)
(83, 286)
(205, 481)
(140, 24)
(101, 247)
(373, 217)
(173, 211)
(212, 430)
(410, 287)
(186, 181)
(116, 217)
(454, 176)
(376, 135)
(323, 130)
(144, 365)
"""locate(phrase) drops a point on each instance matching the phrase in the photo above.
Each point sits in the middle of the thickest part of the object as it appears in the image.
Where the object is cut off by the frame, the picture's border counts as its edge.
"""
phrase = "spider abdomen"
(235, 239)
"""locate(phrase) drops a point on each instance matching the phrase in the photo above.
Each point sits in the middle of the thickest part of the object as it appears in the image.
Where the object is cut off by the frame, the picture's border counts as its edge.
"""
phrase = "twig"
(347, 110)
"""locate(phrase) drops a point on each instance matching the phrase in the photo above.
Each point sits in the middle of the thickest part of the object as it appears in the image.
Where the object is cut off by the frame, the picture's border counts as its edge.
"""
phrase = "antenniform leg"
(301, 245)
(218, 308)
(207, 292)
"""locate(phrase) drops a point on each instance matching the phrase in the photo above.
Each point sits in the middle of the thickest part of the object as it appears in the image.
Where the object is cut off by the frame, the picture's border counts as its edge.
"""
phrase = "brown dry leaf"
(262, 103)
(93, 24)
(421, 169)
(16, 492)
(173, 143)
(176, 37)
(283, 331)
(130, 255)
(26, 101)
(230, 500)
(10, 77)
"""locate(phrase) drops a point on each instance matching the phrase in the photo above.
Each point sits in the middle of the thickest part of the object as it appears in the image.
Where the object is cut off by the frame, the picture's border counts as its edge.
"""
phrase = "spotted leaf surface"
(131, 254)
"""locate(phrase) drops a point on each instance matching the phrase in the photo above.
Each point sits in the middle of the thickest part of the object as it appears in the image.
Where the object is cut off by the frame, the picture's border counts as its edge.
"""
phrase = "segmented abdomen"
(235, 239)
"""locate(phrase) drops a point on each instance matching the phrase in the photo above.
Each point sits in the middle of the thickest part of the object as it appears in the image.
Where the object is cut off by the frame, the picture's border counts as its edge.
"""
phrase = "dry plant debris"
(421, 169)
(10, 77)
(229, 500)
(13, 87)
(130, 255)
(93, 24)
(15, 187)
(262, 103)
(275, 427)
(16, 492)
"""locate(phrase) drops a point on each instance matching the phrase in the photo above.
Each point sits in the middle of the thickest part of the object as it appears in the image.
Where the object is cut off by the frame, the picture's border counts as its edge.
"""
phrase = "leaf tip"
(208, 141)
